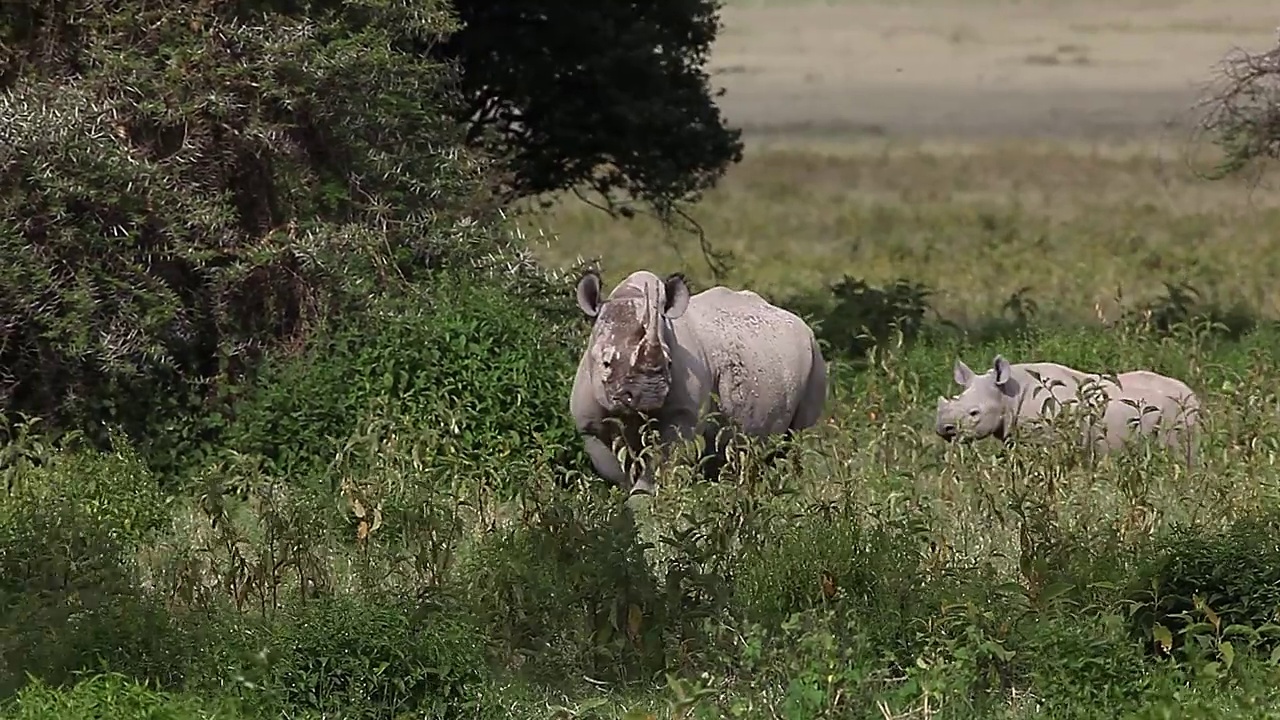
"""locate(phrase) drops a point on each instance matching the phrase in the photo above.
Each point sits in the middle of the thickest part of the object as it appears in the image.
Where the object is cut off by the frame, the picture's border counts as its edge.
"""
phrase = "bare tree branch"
(719, 262)
(1243, 109)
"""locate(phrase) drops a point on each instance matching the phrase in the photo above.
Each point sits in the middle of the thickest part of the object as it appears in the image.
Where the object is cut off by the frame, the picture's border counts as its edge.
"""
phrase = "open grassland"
(884, 574)
(1071, 229)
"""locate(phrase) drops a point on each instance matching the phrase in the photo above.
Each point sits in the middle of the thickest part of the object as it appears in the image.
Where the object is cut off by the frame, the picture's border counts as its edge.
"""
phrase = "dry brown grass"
(978, 224)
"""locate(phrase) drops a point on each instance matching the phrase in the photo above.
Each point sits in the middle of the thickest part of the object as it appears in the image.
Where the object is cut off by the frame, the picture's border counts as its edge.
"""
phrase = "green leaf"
(1162, 636)
(1228, 652)
(1055, 590)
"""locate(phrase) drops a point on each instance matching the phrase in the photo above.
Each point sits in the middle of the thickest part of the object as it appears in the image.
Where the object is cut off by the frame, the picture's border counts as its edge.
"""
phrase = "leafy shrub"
(1183, 305)
(110, 695)
(1235, 574)
(373, 658)
(820, 559)
(488, 373)
(569, 590)
(1081, 661)
(853, 318)
(69, 597)
(812, 664)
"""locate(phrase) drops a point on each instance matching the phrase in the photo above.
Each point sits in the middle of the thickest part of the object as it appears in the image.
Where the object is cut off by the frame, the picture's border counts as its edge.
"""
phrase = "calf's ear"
(1003, 370)
(961, 373)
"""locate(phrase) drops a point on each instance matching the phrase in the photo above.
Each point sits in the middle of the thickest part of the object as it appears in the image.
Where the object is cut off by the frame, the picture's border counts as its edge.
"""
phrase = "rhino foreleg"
(783, 450)
(670, 431)
(605, 461)
(715, 454)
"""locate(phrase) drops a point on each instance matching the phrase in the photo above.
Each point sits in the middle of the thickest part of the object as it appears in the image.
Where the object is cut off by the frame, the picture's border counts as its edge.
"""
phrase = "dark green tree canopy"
(610, 93)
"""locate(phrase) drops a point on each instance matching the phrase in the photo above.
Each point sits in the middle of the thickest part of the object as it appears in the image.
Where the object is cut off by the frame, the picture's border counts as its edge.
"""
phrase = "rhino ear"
(677, 293)
(1003, 370)
(589, 294)
(961, 373)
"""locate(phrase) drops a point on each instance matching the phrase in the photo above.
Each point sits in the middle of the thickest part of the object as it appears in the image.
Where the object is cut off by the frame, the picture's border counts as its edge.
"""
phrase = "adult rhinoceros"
(656, 352)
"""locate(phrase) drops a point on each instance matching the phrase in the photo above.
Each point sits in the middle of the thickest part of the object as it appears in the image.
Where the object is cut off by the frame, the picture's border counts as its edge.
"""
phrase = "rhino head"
(628, 354)
(979, 410)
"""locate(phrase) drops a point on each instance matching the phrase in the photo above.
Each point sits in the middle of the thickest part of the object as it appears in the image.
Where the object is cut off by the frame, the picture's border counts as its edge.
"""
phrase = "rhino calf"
(996, 402)
(655, 351)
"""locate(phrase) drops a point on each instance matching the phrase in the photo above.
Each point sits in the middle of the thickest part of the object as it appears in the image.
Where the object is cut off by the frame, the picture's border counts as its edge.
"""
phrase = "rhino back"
(1061, 380)
(756, 356)
(1150, 383)
(1172, 396)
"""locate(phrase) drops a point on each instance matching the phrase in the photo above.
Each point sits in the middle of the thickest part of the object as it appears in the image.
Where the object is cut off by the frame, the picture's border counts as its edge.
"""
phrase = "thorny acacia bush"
(184, 187)
(879, 574)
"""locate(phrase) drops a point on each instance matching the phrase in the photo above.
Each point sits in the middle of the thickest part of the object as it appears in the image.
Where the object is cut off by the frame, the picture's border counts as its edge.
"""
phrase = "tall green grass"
(882, 574)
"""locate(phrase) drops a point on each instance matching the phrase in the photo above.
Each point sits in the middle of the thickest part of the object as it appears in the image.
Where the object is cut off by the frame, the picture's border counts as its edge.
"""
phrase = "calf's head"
(979, 410)
(628, 352)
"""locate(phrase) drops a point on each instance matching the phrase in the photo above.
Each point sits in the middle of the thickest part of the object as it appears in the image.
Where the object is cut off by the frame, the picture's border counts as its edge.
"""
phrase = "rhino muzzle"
(643, 395)
(648, 380)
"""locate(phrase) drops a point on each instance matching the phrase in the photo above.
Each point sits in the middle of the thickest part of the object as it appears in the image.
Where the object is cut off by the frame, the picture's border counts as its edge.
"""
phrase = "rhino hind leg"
(712, 464)
(718, 439)
(1189, 434)
(813, 399)
(812, 405)
(1185, 441)
(1191, 441)
(715, 458)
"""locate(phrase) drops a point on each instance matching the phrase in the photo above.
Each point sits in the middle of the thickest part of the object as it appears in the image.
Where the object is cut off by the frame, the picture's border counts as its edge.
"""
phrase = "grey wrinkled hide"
(997, 402)
(655, 350)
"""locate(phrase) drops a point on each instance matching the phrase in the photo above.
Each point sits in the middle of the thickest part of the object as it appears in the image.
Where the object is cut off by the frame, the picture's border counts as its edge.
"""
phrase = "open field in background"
(978, 224)
(976, 69)
(936, 142)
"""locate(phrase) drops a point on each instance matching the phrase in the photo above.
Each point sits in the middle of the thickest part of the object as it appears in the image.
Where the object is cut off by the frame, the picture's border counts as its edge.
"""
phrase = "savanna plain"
(923, 182)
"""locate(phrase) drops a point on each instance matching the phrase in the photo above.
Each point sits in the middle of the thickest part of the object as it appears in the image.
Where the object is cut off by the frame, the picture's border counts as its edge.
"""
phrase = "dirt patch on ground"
(973, 70)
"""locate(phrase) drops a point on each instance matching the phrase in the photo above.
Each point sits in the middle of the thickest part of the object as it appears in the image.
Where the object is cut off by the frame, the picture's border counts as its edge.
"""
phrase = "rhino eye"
(973, 412)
